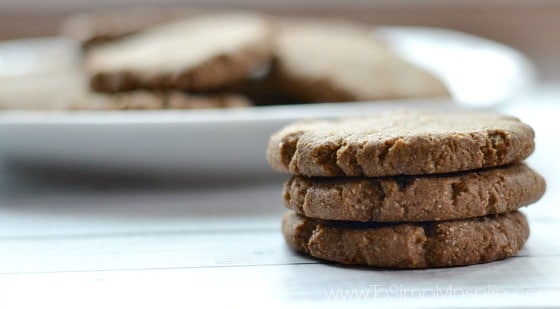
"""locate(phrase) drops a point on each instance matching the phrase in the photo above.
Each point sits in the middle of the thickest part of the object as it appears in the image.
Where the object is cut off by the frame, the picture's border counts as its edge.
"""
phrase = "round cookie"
(196, 54)
(408, 245)
(400, 143)
(415, 198)
(330, 60)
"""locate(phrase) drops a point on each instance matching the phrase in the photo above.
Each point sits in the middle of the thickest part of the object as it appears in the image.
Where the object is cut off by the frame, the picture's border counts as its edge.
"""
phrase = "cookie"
(415, 198)
(262, 91)
(400, 143)
(200, 53)
(103, 26)
(145, 100)
(408, 245)
(328, 60)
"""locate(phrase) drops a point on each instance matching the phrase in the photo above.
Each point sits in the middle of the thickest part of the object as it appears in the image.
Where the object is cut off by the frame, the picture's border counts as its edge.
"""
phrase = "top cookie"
(196, 54)
(326, 60)
(400, 143)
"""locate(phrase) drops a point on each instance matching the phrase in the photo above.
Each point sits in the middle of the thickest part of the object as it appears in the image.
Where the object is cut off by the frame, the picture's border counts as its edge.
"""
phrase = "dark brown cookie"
(330, 60)
(200, 53)
(415, 198)
(262, 90)
(400, 143)
(408, 245)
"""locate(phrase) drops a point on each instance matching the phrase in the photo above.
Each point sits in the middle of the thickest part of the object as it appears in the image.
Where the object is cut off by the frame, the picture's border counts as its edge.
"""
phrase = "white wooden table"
(71, 243)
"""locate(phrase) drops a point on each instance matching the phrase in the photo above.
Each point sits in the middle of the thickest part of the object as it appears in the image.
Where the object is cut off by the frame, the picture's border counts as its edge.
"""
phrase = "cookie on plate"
(415, 198)
(408, 245)
(327, 60)
(199, 53)
(403, 143)
(147, 100)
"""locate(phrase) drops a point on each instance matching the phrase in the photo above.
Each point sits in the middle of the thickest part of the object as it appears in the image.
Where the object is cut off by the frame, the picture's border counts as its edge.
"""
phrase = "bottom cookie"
(408, 245)
(148, 100)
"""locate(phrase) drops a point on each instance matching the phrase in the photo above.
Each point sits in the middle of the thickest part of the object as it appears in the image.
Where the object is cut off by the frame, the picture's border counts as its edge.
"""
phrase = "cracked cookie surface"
(408, 245)
(400, 143)
(415, 198)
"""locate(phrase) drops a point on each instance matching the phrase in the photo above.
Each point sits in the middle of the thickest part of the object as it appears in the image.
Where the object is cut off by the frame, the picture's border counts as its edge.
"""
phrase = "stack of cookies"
(407, 189)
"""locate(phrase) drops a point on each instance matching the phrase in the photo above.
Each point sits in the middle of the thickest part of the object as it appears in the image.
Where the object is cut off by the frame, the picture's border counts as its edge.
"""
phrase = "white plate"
(480, 73)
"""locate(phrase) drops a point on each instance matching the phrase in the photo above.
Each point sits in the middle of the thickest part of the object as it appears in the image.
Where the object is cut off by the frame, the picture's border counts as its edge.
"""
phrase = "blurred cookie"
(322, 60)
(146, 100)
(199, 53)
(408, 245)
(262, 90)
(415, 198)
(400, 143)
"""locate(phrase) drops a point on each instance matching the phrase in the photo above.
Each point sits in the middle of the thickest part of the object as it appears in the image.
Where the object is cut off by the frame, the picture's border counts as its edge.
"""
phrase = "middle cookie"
(415, 198)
